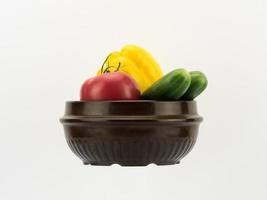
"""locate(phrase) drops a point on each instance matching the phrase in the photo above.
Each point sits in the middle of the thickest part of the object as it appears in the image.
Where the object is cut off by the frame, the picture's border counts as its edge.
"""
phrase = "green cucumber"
(198, 84)
(170, 87)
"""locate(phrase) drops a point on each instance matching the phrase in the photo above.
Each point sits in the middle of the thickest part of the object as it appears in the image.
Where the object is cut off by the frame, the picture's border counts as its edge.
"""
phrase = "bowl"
(131, 133)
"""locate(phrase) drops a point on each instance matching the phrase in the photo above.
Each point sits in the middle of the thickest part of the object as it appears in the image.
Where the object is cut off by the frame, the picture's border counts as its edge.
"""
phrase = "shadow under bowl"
(131, 133)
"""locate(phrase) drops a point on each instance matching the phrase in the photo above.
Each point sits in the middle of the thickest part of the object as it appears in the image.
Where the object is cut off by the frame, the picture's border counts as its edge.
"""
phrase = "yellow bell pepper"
(136, 62)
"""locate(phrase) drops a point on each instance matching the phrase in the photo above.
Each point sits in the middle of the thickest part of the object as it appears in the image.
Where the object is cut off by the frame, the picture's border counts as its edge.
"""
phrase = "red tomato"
(110, 86)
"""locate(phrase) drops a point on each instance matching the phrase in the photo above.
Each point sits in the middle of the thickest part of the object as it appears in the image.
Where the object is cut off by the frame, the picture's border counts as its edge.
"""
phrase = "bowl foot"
(129, 164)
(167, 163)
(100, 164)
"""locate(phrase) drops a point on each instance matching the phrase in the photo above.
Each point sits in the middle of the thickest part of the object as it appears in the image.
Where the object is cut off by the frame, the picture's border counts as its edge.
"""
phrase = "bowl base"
(130, 164)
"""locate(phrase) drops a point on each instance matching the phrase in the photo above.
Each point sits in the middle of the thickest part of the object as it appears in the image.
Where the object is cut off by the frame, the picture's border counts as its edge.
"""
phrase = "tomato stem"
(103, 65)
(107, 70)
(118, 67)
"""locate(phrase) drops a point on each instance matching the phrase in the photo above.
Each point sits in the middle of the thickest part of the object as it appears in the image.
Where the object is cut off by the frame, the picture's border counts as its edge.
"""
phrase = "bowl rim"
(159, 115)
(131, 101)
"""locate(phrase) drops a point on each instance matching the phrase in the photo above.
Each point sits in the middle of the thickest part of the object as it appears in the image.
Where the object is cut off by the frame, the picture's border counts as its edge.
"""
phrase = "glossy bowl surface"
(131, 133)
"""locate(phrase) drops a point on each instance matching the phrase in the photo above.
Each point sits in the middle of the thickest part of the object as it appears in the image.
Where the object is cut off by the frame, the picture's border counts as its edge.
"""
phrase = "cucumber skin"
(170, 87)
(199, 83)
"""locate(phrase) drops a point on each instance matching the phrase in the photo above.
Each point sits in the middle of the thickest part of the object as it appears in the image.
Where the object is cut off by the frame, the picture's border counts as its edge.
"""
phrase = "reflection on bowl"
(131, 133)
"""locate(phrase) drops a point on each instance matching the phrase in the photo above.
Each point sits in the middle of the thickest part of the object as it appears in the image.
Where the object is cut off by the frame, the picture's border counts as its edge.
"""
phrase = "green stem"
(118, 68)
(103, 65)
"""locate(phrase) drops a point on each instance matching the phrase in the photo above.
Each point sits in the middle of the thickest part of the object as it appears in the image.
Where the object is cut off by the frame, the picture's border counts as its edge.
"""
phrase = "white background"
(48, 48)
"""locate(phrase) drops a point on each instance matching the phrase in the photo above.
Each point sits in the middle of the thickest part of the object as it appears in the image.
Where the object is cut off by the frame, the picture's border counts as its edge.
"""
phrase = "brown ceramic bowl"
(131, 133)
